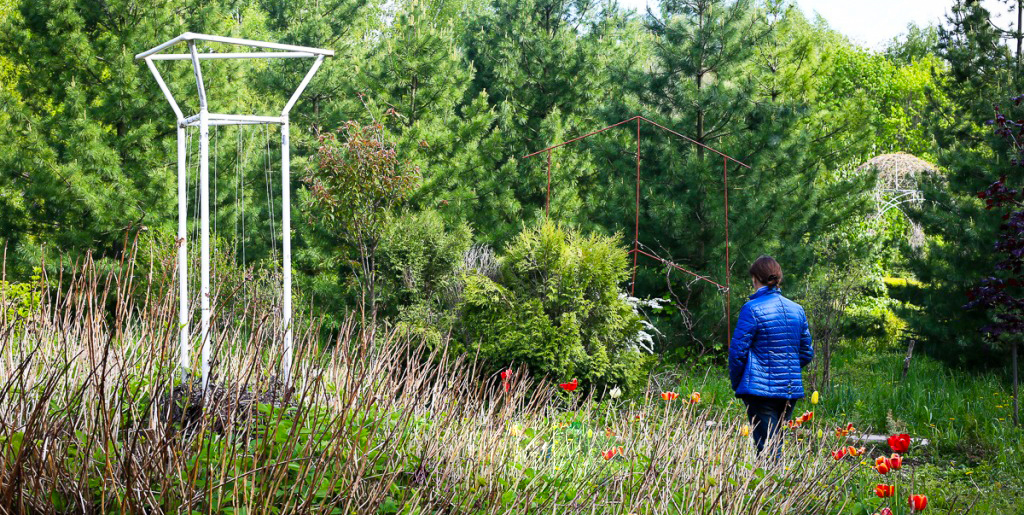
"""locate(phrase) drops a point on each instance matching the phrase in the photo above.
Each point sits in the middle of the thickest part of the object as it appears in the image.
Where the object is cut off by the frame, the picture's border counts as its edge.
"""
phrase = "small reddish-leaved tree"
(356, 185)
(1002, 293)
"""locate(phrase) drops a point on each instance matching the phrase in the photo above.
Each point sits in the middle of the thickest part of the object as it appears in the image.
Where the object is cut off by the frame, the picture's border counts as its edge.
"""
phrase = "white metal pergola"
(204, 119)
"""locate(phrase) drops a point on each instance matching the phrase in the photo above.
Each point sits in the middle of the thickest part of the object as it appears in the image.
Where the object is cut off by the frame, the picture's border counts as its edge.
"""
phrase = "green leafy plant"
(556, 306)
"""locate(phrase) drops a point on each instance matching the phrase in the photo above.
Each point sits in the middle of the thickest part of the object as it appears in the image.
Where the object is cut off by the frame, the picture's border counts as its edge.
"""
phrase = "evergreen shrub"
(556, 306)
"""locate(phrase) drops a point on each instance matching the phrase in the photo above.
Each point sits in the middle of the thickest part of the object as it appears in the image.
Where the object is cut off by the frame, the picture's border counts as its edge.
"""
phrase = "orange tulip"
(609, 433)
(843, 431)
(854, 451)
(669, 396)
(895, 462)
(882, 468)
(918, 502)
(884, 491)
(694, 397)
(570, 386)
(806, 417)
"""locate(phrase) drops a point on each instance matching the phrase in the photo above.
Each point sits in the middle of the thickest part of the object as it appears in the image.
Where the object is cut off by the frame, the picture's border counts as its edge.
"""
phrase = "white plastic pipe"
(183, 332)
(204, 214)
(232, 55)
(204, 242)
(286, 240)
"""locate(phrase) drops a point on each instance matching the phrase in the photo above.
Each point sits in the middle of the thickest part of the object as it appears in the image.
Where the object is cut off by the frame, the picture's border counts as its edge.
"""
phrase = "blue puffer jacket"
(770, 345)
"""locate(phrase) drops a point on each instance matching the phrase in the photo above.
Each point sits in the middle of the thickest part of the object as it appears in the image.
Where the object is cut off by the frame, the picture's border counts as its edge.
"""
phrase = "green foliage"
(420, 262)
(21, 300)
(355, 188)
(956, 255)
(556, 306)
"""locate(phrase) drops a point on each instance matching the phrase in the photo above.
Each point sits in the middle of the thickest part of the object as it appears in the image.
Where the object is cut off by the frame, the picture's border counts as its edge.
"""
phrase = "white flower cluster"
(644, 338)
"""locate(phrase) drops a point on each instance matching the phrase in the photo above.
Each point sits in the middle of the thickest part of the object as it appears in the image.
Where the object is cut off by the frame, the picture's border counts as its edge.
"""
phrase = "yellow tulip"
(745, 430)
(815, 397)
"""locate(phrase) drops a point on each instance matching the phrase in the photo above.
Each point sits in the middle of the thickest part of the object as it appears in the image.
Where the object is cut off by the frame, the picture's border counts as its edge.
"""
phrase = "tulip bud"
(814, 397)
(745, 430)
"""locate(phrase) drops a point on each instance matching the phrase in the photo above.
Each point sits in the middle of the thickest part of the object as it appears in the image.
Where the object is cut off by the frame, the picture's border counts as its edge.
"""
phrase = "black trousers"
(767, 416)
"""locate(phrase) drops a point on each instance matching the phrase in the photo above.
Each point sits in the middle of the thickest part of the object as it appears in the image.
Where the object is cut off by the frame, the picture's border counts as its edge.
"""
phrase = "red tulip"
(505, 374)
(884, 511)
(669, 396)
(806, 417)
(895, 462)
(918, 502)
(838, 455)
(570, 386)
(884, 491)
(899, 443)
(882, 468)
(610, 453)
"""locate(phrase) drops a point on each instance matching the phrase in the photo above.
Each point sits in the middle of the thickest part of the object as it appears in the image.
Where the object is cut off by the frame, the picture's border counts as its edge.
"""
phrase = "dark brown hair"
(767, 271)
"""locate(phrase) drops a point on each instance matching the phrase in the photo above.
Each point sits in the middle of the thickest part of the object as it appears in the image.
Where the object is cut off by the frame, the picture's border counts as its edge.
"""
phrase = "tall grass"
(95, 419)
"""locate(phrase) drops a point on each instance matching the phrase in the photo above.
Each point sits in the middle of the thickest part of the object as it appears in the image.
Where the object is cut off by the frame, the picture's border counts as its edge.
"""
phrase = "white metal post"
(204, 214)
(286, 240)
(183, 350)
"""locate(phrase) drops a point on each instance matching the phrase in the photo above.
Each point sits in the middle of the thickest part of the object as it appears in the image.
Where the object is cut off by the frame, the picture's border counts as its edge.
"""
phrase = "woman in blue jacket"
(770, 345)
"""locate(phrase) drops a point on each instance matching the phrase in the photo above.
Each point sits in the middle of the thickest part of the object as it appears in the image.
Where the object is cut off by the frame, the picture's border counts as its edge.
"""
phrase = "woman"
(770, 345)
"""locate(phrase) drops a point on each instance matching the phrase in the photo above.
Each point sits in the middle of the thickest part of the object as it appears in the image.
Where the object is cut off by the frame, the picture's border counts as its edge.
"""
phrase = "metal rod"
(204, 242)
(286, 222)
(183, 330)
(232, 55)
(234, 122)
(192, 36)
(677, 267)
(547, 200)
(162, 46)
(199, 77)
(636, 235)
(587, 135)
(163, 87)
(259, 44)
(728, 298)
(695, 142)
(302, 85)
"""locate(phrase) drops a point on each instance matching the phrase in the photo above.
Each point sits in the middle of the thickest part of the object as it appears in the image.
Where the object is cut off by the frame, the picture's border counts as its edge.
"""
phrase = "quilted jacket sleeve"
(739, 348)
(806, 349)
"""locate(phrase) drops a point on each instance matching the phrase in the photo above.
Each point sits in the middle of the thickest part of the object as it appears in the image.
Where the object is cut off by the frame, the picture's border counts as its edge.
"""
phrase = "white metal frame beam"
(204, 119)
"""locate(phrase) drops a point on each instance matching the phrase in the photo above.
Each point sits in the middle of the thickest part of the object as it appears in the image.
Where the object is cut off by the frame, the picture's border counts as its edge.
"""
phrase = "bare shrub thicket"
(94, 418)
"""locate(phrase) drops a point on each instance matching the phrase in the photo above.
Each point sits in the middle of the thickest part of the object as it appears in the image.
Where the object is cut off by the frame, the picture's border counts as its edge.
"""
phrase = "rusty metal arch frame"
(637, 250)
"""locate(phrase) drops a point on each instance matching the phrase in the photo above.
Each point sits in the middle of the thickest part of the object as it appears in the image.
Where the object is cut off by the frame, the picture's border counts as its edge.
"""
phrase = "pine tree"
(960, 232)
(720, 76)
